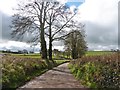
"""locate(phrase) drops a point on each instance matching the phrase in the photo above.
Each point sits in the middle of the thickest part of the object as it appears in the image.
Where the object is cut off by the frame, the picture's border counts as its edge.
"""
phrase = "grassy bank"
(97, 71)
(16, 71)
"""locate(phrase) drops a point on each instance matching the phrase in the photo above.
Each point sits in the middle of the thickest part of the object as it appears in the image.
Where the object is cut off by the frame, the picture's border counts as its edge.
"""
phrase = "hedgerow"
(16, 71)
(97, 71)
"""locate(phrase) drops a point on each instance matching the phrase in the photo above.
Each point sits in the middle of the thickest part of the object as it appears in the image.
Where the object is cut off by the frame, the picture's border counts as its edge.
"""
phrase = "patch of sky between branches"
(69, 4)
(75, 3)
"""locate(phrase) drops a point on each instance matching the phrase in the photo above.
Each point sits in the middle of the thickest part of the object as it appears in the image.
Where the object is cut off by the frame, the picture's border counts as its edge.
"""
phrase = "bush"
(97, 71)
(16, 70)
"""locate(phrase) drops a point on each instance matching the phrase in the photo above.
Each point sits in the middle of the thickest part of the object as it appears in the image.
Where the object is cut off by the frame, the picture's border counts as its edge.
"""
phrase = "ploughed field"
(98, 71)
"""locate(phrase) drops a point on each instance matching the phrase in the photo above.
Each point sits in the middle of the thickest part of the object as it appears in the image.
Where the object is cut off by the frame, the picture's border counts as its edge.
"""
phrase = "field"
(93, 53)
(37, 55)
(97, 71)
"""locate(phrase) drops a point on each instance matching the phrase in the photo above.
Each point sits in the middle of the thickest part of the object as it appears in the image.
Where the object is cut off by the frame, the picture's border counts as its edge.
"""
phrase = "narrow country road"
(58, 77)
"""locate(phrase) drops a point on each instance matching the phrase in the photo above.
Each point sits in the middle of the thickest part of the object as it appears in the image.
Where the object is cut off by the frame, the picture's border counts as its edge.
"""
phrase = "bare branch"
(63, 26)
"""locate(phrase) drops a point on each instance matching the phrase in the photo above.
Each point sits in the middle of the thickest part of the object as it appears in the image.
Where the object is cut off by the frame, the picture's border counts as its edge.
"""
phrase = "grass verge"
(16, 71)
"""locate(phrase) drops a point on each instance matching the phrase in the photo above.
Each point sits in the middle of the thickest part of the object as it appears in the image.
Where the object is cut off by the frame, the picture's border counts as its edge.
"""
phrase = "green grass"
(37, 55)
(93, 53)
(61, 61)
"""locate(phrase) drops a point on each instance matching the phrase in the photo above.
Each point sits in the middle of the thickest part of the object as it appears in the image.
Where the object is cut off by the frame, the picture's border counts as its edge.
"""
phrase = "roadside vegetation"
(97, 71)
(17, 70)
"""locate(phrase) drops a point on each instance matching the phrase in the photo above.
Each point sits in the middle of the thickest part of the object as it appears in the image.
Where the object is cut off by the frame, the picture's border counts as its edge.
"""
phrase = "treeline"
(16, 52)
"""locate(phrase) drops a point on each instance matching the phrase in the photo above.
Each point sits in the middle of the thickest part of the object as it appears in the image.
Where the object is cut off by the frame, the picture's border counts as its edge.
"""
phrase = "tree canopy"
(75, 42)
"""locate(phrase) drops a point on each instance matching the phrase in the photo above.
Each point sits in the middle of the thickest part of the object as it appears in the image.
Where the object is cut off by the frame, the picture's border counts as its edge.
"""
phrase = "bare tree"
(31, 18)
(58, 20)
(39, 19)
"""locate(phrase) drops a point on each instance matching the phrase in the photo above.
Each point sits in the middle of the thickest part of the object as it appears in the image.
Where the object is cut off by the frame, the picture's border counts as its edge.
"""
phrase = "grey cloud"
(6, 34)
(6, 21)
(119, 24)
(102, 47)
(101, 35)
(6, 30)
(58, 43)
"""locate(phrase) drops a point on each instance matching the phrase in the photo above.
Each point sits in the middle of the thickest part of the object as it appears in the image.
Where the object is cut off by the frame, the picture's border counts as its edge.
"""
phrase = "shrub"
(16, 70)
(97, 71)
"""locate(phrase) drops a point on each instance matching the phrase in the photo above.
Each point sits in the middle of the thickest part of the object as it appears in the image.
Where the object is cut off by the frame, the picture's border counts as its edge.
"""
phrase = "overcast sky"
(99, 16)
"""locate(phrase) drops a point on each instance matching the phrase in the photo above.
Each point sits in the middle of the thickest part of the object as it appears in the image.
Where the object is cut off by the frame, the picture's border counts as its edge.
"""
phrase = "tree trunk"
(74, 52)
(50, 49)
(50, 45)
(50, 40)
(43, 44)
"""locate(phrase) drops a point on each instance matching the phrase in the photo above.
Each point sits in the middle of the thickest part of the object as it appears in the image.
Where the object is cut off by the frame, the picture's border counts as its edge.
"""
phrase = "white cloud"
(9, 44)
(62, 1)
(76, 0)
(72, 8)
(60, 48)
(6, 6)
(16, 45)
(97, 47)
(99, 10)
(101, 20)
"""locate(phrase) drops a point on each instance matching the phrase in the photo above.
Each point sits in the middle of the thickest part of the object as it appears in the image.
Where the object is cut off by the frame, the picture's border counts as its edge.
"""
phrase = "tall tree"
(75, 41)
(58, 20)
(30, 18)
